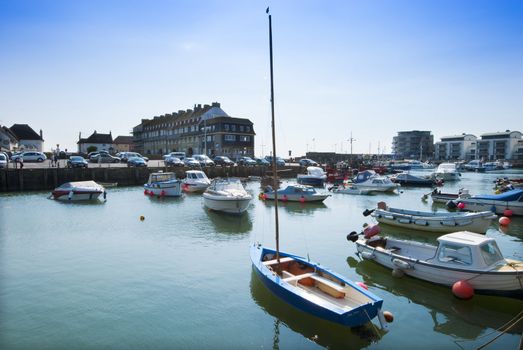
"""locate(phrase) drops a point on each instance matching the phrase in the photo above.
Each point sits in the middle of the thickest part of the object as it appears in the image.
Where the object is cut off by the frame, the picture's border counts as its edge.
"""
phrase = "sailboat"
(304, 284)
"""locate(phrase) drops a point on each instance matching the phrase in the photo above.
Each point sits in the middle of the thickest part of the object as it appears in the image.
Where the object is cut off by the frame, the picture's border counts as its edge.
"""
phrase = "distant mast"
(274, 169)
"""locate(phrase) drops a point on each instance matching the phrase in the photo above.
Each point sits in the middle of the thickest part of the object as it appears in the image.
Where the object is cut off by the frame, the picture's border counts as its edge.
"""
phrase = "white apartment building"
(456, 147)
(506, 145)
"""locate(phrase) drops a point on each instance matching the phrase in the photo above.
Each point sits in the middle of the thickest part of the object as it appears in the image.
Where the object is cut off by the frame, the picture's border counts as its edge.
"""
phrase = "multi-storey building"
(413, 144)
(506, 145)
(457, 147)
(203, 130)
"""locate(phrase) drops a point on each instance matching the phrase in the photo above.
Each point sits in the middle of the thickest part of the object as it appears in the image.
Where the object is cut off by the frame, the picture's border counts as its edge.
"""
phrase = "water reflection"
(295, 208)
(230, 224)
(450, 316)
(324, 333)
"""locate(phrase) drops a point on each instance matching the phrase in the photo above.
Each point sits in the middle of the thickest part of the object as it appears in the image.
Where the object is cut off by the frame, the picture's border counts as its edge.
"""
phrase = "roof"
(505, 133)
(123, 139)
(24, 132)
(465, 237)
(98, 138)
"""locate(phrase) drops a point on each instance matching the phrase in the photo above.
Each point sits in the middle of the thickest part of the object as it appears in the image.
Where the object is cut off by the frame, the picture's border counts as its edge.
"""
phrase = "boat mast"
(274, 170)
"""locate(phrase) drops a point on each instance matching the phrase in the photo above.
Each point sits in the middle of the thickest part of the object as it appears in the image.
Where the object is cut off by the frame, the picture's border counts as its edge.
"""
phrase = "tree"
(92, 149)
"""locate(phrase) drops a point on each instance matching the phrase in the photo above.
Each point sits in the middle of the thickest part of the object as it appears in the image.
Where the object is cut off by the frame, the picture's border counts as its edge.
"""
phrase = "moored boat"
(406, 179)
(439, 197)
(433, 221)
(370, 181)
(349, 189)
(447, 172)
(163, 184)
(459, 256)
(315, 177)
(227, 195)
(498, 203)
(296, 193)
(195, 181)
(78, 191)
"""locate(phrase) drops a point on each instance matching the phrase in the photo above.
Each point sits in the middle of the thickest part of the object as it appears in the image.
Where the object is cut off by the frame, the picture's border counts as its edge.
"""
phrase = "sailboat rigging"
(304, 284)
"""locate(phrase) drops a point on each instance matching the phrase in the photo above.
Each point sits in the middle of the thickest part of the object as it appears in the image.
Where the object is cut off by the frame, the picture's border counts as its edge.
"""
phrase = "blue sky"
(367, 67)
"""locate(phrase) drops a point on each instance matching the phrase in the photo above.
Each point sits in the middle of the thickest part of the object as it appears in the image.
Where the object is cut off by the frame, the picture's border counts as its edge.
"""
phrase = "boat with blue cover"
(296, 193)
(406, 179)
(497, 203)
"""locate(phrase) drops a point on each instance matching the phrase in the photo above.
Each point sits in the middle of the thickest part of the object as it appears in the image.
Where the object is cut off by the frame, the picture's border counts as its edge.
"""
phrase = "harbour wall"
(40, 179)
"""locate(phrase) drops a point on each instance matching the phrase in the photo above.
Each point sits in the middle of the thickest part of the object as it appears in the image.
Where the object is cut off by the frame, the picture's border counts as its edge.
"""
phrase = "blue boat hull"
(355, 317)
(311, 182)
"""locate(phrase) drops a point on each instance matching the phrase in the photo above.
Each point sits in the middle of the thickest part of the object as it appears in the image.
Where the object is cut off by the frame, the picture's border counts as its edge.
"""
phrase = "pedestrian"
(55, 158)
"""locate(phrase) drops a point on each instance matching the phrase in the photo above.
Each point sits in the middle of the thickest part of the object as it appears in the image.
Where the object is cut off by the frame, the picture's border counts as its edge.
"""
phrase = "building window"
(241, 128)
(233, 127)
(245, 138)
(230, 137)
(226, 127)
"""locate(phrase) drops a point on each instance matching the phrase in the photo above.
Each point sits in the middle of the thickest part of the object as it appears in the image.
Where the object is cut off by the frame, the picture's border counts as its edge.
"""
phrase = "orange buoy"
(362, 285)
(142, 218)
(504, 221)
(462, 290)
(389, 317)
(507, 212)
(264, 196)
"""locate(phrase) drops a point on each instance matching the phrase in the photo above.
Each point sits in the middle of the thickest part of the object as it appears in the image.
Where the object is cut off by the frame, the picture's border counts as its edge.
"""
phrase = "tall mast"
(274, 169)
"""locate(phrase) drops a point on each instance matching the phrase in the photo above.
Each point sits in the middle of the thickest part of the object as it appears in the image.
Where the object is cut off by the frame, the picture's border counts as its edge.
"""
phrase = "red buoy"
(362, 285)
(504, 221)
(389, 317)
(461, 205)
(507, 212)
(162, 193)
(302, 199)
(264, 196)
(284, 198)
(462, 290)
(145, 192)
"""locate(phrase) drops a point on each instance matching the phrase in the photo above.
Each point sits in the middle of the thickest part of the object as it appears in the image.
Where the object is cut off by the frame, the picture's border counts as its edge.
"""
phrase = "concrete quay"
(45, 178)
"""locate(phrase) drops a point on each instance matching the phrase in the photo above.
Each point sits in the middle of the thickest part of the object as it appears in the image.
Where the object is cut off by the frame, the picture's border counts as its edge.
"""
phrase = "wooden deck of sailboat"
(345, 304)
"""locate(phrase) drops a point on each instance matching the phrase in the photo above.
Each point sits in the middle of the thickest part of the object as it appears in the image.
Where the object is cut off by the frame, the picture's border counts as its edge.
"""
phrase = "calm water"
(95, 276)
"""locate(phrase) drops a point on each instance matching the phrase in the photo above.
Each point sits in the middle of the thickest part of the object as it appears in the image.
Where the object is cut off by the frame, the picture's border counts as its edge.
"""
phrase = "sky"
(366, 68)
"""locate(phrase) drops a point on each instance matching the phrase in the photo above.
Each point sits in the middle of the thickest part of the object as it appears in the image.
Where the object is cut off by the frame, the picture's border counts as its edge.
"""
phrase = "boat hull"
(230, 205)
(305, 302)
(450, 176)
(76, 195)
(194, 187)
(297, 198)
(484, 282)
(497, 207)
(172, 189)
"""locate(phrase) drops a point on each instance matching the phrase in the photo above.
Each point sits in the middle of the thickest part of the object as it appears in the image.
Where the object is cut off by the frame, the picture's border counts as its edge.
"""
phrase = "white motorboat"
(459, 256)
(439, 197)
(296, 193)
(348, 189)
(498, 203)
(78, 191)
(370, 181)
(441, 222)
(315, 177)
(163, 184)
(447, 172)
(195, 181)
(227, 195)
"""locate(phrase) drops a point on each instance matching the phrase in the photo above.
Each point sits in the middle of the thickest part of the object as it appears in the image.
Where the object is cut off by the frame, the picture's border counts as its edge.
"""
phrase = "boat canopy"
(161, 177)
(79, 184)
(465, 238)
(364, 176)
(509, 196)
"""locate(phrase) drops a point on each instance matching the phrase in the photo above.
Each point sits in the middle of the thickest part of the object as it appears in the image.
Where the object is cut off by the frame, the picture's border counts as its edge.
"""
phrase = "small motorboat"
(406, 179)
(439, 197)
(227, 195)
(78, 191)
(370, 181)
(498, 203)
(163, 185)
(447, 172)
(348, 189)
(315, 177)
(195, 181)
(295, 193)
(459, 256)
(441, 222)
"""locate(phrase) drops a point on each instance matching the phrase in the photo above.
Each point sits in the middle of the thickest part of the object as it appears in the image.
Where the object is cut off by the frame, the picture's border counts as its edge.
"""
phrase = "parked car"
(77, 162)
(173, 161)
(204, 160)
(105, 158)
(261, 161)
(191, 162)
(246, 161)
(307, 162)
(29, 157)
(279, 160)
(3, 160)
(136, 162)
(179, 155)
(92, 154)
(223, 161)
(124, 156)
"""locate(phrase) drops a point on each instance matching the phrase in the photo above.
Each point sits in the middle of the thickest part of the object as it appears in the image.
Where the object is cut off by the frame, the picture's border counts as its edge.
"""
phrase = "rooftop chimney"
(41, 134)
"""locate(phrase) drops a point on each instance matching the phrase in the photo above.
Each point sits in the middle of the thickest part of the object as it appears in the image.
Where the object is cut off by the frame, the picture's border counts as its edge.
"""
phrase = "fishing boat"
(227, 195)
(440, 222)
(296, 193)
(78, 191)
(372, 182)
(498, 203)
(315, 177)
(163, 185)
(304, 284)
(195, 181)
(440, 197)
(459, 256)
(406, 179)
(447, 172)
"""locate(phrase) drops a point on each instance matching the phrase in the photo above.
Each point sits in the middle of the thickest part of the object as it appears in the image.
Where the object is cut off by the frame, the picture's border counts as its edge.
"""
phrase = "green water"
(91, 276)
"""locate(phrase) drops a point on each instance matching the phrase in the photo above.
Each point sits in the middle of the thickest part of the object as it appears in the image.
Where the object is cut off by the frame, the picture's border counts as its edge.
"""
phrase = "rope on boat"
(513, 265)
(503, 332)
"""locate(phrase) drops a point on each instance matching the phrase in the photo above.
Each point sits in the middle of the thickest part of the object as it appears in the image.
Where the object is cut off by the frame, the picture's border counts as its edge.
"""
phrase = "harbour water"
(91, 276)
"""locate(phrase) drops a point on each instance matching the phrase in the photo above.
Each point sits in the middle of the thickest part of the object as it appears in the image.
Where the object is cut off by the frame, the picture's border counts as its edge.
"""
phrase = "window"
(245, 138)
(233, 127)
(226, 127)
(241, 128)
(490, 253)
(455, 254)
(230, 137)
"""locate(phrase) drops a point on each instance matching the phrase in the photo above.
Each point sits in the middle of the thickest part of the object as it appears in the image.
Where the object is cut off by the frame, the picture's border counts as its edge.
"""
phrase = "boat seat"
(275, 261)
(329, 287)
(296, 277)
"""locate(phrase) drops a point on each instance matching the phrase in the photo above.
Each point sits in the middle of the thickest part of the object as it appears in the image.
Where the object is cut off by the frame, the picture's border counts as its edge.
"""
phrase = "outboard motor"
(451, 205)
(352, 237)
(367, 212)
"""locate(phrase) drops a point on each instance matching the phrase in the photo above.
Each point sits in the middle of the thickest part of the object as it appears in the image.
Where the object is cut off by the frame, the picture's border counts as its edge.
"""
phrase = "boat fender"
(404, 221)
(504, 221)
(371, 230)
(162, 193)
(507, 213)
(421, 222)
(145, 192)
(401, 264)
(302, 199)
(105, 194)
(462, 290)
(362, 285)
(367, 255)
(461, 205)
(397, 273)
(390, 217)
(70, 195)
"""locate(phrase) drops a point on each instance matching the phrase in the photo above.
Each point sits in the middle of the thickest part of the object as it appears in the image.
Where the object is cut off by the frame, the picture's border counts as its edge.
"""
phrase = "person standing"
(21, 159)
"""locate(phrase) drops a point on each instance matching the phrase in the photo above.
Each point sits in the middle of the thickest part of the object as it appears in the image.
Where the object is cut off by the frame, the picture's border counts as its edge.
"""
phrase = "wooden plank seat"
(275, 261)
(297, 277)
(330, 287)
